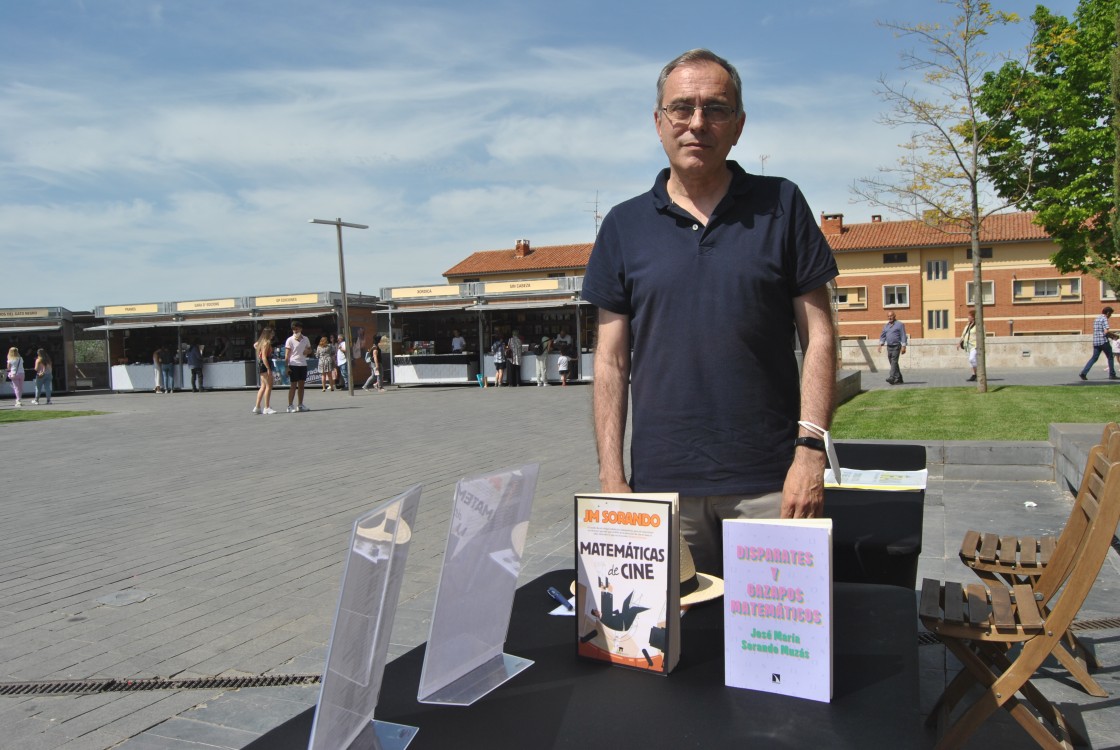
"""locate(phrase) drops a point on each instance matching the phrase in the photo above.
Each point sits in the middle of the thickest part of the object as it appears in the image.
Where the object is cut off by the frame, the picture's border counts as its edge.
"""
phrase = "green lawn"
(1013, 412)
(11, 416)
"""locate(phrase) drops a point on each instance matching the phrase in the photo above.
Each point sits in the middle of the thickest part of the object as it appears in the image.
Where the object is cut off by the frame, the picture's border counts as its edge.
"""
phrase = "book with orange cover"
(627, 579)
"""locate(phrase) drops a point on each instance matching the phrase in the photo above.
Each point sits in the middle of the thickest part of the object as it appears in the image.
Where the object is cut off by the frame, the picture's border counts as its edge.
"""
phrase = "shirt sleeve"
(604, 281)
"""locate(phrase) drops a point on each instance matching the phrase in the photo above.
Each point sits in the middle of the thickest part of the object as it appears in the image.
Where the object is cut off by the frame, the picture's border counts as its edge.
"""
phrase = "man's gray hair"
(698, 56)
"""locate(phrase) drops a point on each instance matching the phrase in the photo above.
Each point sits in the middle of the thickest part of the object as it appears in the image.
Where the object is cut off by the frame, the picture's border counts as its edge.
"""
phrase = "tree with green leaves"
(939, 179)
(1056, 152)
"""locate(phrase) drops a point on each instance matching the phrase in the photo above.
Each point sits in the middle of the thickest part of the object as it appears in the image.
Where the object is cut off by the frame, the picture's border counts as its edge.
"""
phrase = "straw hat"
(696, 587)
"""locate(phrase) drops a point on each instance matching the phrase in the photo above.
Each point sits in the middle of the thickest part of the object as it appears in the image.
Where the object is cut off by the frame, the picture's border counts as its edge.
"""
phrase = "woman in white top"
(15, 374)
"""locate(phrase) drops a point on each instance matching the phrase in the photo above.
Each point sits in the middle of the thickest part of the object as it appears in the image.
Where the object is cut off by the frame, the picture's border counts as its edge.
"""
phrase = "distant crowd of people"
(509, 355)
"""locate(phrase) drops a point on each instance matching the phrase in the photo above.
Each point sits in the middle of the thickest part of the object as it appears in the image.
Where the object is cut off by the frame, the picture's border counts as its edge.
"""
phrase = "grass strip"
(1011, 412)
(11, 416)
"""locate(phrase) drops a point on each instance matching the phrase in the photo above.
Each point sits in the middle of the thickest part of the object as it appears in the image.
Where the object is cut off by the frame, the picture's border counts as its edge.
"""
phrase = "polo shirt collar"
(741, 185)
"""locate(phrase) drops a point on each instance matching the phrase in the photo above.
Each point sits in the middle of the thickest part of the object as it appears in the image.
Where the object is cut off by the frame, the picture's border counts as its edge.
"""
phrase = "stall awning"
(127, 324)
(31, 329)
(540, 305)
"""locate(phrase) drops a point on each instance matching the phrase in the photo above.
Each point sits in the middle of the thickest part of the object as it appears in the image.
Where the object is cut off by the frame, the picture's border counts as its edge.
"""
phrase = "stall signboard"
(204, 305)
(523, 285)
(145, 309)
(24, 314)
(778, 606)
(283, 300)
(423, 292)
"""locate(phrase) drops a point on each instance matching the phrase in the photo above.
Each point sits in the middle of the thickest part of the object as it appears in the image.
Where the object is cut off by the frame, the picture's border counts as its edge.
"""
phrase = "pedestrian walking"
(194, 361)
(1102, 344)
(894, 338)
(263, 354)
(295, 356)
(167, 369)
(44, 376)
(968, 343)
(15, 374)
(325, 354)
(373, 358)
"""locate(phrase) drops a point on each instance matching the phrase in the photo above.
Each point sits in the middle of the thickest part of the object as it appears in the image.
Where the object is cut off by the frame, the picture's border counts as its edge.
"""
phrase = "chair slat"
(979, 613)
(1003, 615)
(988, 546)
(1008, 550)
(954, 602)
(1027, 607)
(930, 603)
(1028, 552)
(969, 544)
(1046, 549)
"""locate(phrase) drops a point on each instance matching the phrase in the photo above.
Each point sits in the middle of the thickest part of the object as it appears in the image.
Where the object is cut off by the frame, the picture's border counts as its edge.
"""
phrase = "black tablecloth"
(877, 535)
(563, 701)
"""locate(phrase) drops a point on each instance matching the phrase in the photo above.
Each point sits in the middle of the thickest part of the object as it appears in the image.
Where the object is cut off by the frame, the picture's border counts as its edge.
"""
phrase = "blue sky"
(156, 151)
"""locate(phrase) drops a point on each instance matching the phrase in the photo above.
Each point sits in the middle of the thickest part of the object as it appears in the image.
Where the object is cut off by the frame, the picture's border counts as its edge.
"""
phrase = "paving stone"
(189, 500)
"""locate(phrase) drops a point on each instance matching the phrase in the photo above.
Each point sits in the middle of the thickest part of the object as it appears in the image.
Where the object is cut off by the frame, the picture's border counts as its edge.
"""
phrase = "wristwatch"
(810, 442)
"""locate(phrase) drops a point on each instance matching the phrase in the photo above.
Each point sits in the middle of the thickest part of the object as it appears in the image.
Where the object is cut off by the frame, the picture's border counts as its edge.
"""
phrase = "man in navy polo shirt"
(701, 284)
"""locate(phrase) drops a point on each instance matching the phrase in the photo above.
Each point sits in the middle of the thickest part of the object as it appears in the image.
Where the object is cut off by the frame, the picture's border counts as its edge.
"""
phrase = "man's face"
(698, 145)
(890, 317)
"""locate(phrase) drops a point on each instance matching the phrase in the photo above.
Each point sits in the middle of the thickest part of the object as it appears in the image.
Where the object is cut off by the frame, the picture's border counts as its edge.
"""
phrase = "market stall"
(225, 331)
(31, 329)
(424, 322)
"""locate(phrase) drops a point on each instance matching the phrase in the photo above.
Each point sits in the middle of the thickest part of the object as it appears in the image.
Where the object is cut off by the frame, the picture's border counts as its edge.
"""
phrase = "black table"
(563, 701)
(877, 535)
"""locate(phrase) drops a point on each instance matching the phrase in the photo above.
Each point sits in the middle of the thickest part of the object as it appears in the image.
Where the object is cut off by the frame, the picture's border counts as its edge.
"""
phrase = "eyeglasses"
(680, 113)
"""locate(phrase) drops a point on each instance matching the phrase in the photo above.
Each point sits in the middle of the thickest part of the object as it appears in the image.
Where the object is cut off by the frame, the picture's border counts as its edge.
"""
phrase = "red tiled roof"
(1011, 227)
(548, 258)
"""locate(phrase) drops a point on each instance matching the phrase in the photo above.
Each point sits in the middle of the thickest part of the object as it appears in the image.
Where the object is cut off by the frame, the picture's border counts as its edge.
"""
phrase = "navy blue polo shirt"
(714, 381)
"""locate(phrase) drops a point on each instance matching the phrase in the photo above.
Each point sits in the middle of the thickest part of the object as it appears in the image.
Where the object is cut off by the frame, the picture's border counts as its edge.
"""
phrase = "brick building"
(924, 275)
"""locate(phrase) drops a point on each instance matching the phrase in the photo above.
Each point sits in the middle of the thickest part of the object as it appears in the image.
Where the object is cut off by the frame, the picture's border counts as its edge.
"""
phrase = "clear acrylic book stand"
(371, 585)
(489, 521)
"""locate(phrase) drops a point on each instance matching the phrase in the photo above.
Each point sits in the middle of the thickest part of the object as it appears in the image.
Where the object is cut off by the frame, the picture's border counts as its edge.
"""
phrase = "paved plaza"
(180, 536)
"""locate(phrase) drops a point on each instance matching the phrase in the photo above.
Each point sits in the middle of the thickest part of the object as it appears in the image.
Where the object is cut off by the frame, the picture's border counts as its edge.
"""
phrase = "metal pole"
(339, 224)
(345, 311)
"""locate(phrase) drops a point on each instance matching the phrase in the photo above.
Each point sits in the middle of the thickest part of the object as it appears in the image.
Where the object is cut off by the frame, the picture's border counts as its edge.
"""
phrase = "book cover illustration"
(627, 579)
(778, 606)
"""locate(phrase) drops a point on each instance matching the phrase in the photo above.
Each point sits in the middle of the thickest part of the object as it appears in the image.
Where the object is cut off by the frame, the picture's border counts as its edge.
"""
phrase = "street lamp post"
(338, 225)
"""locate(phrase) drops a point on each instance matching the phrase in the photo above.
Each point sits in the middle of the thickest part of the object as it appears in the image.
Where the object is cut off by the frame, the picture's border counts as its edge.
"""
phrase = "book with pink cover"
(778, 606)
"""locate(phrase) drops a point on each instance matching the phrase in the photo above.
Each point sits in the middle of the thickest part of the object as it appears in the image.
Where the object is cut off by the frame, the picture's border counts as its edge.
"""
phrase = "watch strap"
(810, 442)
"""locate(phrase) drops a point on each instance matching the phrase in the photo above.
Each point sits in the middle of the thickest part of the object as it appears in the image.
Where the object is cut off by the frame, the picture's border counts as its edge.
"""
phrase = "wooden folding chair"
(1011, 560)
(980, 625)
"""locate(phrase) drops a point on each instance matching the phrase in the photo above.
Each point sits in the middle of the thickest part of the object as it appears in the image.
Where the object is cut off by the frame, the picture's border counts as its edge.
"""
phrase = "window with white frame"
(1065, 289)
(937, 320)
(1047, 288)
(896, 295)
(1108, 294)
(937, 270)
(850, 297)
(989, 292)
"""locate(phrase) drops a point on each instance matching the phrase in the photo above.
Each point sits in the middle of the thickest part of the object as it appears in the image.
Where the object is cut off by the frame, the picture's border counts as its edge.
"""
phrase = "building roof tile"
(547, 258)
(1010, 227)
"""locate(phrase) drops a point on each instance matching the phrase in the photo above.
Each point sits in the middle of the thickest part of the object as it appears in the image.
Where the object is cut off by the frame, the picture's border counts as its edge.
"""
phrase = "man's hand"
(803, 492)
